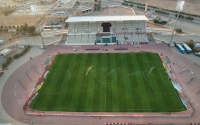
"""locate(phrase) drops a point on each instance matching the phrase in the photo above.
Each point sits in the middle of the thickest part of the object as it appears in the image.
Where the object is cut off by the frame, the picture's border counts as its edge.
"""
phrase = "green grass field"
(126, 82)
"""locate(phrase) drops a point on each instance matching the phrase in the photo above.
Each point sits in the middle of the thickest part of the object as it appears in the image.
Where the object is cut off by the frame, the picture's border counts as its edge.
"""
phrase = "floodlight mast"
(179, 8)
(33, 9)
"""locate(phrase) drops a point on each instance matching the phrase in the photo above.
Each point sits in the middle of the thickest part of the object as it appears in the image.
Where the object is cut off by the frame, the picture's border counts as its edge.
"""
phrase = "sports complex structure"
(126, 78)
(126, 82)
(107, 30)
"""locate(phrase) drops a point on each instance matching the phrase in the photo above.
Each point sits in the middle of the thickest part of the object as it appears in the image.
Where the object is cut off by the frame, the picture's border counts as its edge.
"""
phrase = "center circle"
(106, 76)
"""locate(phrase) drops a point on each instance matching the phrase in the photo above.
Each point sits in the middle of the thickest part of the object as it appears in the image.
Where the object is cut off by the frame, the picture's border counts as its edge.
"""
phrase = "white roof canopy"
(106, 18)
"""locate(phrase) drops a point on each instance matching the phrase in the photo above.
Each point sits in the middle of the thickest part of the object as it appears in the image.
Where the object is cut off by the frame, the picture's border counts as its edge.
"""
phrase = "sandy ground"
(116, 11)
(17, 20)
(15, 93)
(191, 6)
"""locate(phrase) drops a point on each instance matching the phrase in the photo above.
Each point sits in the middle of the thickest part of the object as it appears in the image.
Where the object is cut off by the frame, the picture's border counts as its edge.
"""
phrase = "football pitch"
(109, 82)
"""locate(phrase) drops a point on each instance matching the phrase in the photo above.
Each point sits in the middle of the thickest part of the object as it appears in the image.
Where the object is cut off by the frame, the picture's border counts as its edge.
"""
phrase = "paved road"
(32, 41)
(177, 38)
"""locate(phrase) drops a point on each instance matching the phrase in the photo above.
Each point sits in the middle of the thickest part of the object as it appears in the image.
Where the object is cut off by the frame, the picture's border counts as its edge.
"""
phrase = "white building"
(107, 29)
(65, 8)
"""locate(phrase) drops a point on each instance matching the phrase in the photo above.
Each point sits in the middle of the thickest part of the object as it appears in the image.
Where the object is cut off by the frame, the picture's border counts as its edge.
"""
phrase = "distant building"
(65, 8)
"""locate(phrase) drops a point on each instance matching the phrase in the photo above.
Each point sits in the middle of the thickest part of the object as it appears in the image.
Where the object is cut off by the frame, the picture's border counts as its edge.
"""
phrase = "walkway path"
(4, 117)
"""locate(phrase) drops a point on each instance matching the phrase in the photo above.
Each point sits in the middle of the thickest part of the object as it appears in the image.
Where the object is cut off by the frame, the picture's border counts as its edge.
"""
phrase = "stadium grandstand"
(107, 30)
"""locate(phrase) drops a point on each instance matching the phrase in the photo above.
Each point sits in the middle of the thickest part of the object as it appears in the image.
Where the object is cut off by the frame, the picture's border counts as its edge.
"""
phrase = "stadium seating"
(129, 38)
(84, 27)
(79, 27)
(143, 37)
(134, 26)
(128, 25)
(84, 39)
(93, 27)
(120, 38)
(70, 39)
(136, 38)
(99, 27)
(119, 26)
(71, 28)
(77, 39)
(112, 29)
(92, 38)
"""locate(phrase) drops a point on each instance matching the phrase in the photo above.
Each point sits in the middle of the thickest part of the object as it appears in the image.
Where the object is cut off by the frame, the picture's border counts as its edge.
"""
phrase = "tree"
(25, 27)
(31, 29)
(178, 30)
(191, 44)
(4, 65)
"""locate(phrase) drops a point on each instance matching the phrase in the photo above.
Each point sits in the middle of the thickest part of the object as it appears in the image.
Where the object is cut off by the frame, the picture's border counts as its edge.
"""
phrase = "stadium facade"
(107, 30)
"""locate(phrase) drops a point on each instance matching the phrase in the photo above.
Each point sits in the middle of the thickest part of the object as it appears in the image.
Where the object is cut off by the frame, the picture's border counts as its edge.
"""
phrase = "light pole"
(179, 8)
(33, 9)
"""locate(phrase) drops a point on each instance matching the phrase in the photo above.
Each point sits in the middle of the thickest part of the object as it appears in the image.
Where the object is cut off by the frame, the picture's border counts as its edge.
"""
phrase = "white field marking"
(89, 68)
(161, 76)
(15, 93)
(148, 81)
(61, 85)
(53, 74)
(65, 78)
(151, 70)
(111, 71)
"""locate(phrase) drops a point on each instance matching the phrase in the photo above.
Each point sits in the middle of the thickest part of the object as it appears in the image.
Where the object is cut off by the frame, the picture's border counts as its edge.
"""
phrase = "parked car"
(197, 54)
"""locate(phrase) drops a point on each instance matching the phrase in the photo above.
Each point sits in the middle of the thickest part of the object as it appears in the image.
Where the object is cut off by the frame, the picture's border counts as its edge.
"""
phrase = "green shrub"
(8, 60)
(16, 56)
(4, 65)
(179, 30)
(160, 22)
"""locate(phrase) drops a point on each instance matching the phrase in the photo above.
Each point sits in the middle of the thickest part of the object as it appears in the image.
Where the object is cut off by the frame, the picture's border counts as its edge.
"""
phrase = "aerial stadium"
(106, 72)
(106, 82)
